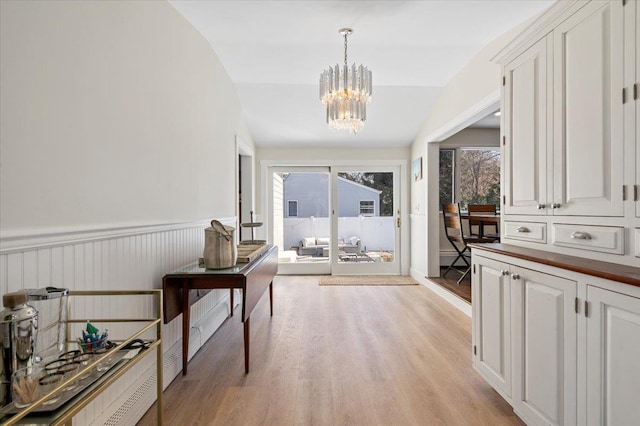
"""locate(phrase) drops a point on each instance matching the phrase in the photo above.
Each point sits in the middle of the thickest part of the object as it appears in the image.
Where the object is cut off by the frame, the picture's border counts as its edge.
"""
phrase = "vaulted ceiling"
(274, 52)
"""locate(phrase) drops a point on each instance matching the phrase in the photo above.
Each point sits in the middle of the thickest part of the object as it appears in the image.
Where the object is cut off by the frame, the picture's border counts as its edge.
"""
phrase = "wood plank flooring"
(449, 282)
(349, 355)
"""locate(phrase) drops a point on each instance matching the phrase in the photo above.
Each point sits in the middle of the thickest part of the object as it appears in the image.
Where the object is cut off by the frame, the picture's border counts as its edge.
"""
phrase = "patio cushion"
(323, 241)
(306, 242)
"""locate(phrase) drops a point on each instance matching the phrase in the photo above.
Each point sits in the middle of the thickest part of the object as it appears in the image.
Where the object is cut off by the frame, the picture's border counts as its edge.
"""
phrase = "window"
(366, 207)
(293, 208)
(470, 176)
(447, 171)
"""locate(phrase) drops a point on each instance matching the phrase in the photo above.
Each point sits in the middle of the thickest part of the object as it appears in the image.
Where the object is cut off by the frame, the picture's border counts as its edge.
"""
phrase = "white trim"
(481, 109)
(330, 163)
(543, 24)
(21, 240)
(454, 300)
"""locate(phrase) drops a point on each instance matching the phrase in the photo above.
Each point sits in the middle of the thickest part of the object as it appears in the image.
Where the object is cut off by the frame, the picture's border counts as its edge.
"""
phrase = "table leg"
(271, 297)
(186, 308)
(246, 345)
(231, 297)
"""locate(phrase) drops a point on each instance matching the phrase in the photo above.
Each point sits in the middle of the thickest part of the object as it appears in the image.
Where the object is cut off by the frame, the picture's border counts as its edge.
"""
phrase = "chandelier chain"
(345, 48)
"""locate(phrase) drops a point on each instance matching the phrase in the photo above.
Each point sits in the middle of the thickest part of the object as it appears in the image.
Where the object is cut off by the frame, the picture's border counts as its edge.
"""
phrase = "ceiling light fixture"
(346, 92)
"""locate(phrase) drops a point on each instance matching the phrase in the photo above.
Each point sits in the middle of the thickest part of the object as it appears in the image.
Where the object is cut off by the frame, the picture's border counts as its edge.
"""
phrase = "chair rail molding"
(21, 240)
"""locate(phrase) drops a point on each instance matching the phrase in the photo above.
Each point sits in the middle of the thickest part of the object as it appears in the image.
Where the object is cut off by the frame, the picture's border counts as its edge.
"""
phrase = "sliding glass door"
(335, 220)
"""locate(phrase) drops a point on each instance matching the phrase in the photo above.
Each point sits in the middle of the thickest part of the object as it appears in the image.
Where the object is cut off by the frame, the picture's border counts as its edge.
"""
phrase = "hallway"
(339, 355)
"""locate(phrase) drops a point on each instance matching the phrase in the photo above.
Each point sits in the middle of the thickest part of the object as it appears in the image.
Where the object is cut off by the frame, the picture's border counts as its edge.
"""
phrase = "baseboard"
(454, 300)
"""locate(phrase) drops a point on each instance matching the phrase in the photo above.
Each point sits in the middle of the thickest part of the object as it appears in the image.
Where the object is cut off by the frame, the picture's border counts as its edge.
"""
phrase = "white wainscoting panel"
(131, 258)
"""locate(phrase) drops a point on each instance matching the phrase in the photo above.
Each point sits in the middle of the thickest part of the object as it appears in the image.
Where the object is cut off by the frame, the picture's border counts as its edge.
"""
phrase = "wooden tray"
(249, 252)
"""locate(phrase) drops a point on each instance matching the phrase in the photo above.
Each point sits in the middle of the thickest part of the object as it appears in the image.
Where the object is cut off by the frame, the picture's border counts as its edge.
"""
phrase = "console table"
(185, 286)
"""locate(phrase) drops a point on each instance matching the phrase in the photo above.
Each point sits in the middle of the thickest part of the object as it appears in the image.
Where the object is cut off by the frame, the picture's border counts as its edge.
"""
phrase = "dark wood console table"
(185, 286)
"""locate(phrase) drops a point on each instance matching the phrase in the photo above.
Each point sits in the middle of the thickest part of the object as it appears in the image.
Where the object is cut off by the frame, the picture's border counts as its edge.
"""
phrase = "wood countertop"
(607, 270)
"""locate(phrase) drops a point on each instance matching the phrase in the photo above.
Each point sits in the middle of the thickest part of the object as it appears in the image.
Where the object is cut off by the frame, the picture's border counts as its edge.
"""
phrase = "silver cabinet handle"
(523, 229)
(579, 235)
(515, 276)
(541, 206)
(504, 272)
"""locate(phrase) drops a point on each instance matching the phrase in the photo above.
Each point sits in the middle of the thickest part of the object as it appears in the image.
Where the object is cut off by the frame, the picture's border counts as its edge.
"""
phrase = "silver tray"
(65, 396)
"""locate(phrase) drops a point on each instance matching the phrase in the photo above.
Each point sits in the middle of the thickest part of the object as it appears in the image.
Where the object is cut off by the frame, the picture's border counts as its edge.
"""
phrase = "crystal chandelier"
(346, 92)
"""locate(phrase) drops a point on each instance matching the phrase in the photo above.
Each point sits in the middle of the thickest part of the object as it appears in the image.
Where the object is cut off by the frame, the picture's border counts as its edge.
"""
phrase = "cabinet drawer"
(637, 233)
(526, 231)
(606, 239)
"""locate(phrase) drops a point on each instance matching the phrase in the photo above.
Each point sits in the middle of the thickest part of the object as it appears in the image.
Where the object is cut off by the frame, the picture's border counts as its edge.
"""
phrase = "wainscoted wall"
(131, 258)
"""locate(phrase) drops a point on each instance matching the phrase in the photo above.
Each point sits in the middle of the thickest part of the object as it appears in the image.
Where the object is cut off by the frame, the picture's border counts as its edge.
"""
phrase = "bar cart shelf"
(119, 361)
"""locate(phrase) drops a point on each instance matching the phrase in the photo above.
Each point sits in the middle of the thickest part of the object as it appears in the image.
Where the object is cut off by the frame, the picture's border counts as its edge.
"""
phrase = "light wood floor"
(338, 355)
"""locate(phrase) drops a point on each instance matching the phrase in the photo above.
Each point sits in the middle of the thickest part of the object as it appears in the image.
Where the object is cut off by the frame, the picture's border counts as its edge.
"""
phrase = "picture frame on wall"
(416, 169)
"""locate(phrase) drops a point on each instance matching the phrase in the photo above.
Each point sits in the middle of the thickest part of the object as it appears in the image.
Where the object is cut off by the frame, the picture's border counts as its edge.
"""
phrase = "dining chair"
(455, 234)
(483, 209)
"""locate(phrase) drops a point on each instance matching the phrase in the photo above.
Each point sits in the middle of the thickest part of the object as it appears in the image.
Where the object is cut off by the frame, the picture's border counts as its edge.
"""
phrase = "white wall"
(114, 116)
(111, 113)
(473, 91)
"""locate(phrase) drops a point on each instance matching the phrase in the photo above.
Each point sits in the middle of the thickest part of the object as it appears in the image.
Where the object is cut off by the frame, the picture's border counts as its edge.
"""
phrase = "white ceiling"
(274, 52)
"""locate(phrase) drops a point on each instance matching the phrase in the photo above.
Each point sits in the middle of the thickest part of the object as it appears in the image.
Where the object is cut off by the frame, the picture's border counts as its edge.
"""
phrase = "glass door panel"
(300, 219)
(366, 221)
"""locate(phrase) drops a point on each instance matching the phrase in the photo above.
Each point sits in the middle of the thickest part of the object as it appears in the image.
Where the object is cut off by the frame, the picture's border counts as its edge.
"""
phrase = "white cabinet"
(492, 323)
(567, 351)
(563, 123)
(525, 156)
(544, 347)
(613, 353)
(588, 118)
(636, 36)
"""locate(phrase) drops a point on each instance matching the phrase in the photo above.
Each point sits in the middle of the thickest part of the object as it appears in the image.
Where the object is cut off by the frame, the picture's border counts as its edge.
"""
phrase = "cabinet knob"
(515, 276)
(523, 229)
(579, 235)
(556, 205)
(504, 272)
(541, 206)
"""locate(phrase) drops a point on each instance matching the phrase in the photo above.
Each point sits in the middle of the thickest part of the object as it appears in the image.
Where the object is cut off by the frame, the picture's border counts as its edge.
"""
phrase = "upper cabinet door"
(525, 132)
(637, 79)
(588, 82)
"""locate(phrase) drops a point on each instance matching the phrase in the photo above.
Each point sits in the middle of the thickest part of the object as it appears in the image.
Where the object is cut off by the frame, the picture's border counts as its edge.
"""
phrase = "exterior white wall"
(278, 214)
(375, 233)
(117, 129)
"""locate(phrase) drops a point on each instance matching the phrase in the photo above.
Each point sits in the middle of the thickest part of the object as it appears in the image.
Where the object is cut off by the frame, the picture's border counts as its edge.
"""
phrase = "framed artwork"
(416, 169)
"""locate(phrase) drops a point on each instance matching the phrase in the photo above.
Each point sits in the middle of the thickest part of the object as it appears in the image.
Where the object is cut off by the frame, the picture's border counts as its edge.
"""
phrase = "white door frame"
(404, 247)
(480, 110)
(365, 268)
(246, 183)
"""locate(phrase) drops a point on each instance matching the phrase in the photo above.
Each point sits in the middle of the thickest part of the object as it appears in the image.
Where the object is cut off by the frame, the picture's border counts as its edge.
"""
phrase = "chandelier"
(346, 91)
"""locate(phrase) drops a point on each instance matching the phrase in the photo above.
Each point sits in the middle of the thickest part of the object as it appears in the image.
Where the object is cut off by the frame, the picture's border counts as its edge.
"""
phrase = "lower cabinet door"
(544, 324)
(492, 323)
(613, 358)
